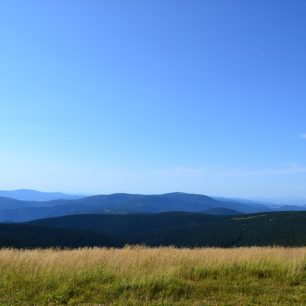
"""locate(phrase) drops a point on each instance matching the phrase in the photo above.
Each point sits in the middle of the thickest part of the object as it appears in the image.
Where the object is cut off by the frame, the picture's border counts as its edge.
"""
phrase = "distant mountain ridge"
(34, 195)
(12, 210)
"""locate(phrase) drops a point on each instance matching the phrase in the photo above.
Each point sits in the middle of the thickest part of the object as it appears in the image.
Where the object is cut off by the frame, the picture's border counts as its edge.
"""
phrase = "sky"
(155, 96)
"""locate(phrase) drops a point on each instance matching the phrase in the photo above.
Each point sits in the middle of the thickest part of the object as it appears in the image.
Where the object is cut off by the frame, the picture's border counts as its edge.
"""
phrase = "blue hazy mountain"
(221, 211)
(34, 195)
(12, 210)
(288, 200)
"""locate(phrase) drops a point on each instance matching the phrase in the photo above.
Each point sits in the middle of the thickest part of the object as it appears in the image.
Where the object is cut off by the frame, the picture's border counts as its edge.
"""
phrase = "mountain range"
(17, 210)
(34, 195)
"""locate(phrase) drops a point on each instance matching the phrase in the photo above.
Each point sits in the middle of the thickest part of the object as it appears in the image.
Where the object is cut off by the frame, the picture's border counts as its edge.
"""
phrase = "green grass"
(154, 276)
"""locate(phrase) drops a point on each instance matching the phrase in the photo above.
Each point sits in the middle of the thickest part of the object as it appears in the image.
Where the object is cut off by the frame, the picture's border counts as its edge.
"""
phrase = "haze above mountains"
(25, 205)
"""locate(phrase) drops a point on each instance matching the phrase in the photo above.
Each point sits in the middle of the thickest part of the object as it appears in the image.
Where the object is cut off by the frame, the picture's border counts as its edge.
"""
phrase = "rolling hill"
(192, 229)
(33, 236)
(20, 211)
(164, 229)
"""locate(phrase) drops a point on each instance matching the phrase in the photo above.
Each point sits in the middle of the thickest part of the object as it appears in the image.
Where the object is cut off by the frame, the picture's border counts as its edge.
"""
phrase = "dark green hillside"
(34, 236)
(135, 228)
(282, 228)
(178, 229)
(190, 229)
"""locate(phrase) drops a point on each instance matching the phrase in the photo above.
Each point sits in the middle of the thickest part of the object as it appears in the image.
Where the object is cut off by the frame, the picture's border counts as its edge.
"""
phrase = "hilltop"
(12, 210)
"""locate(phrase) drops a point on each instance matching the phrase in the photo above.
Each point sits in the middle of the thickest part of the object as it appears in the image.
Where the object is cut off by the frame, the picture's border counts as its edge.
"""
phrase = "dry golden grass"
(154, 276)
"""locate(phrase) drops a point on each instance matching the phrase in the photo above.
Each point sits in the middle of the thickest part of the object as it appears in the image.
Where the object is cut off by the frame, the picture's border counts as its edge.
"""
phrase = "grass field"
(154, 276)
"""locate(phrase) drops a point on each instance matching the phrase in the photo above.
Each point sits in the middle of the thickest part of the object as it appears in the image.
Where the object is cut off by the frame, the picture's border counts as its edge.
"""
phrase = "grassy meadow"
(154, 276)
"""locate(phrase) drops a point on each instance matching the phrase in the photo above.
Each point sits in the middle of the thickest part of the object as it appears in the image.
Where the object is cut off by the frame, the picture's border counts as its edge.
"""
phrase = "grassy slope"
(158, 276)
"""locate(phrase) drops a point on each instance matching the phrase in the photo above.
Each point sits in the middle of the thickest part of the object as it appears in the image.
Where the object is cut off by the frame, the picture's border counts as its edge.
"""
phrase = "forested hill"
(179, 229)
(34, 236)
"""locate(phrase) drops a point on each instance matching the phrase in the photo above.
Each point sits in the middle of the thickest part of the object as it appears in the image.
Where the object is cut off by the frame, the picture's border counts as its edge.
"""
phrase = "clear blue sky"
(154, 96)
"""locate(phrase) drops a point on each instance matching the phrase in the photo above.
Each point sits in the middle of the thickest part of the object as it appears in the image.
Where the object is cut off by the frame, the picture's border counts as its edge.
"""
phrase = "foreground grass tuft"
(154, 276)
